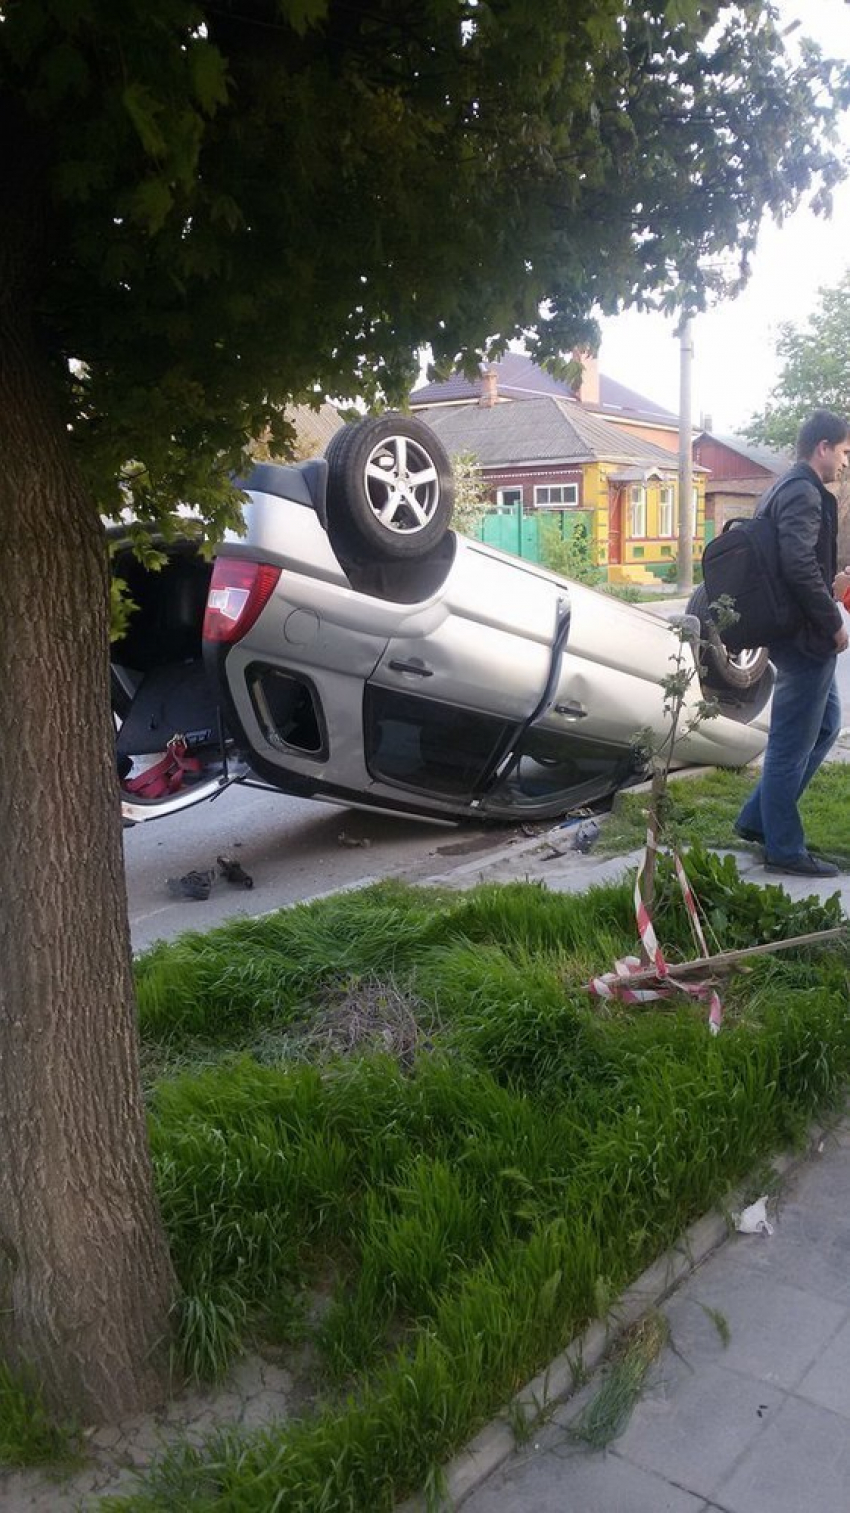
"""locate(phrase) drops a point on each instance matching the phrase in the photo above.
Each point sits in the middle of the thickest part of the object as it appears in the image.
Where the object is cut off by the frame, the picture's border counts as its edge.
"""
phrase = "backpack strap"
(768, 499)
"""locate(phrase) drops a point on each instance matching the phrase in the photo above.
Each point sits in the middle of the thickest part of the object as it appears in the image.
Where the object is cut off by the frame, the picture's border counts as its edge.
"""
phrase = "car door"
(449, 693)
(612, 670)
(606, 693)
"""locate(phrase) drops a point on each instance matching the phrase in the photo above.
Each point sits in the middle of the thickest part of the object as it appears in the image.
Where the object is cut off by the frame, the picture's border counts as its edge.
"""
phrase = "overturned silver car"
(351, 647)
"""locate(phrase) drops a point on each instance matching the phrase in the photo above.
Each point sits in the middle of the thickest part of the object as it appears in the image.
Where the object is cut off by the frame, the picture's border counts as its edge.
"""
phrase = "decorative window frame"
(637, 511)
(667, 510)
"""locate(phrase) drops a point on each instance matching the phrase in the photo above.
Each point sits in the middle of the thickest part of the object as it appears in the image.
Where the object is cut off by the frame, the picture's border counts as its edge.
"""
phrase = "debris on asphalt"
(556, 849)
(578, 833)
(194, 885)
(197, 885)
(233, 872)
(472, 844)
(351, 840)
(586, 836)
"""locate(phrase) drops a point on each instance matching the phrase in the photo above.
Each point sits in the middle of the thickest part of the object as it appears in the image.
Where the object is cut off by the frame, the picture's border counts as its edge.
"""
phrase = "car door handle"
(571, 711)
(414, 666)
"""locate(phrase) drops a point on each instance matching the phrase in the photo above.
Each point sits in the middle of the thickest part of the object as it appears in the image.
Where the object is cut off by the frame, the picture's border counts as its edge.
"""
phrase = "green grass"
(633, 594)
(607, 1414)
(29, 1436)
(393, 1128)
(703, 809)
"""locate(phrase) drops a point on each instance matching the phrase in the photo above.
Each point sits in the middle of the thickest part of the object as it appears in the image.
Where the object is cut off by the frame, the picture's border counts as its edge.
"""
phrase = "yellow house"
(636, 517)
(550, 460)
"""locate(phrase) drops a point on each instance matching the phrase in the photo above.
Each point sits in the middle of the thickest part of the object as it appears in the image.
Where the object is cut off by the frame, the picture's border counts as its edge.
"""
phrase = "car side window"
(547, 764)
(423, 744)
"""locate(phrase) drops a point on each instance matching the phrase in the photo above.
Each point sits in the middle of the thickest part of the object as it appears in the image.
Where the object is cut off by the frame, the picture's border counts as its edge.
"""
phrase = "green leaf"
(145, 111)
(302, 14)
(151, 204)
(225, 211)
(209, 76)
(549, 1292)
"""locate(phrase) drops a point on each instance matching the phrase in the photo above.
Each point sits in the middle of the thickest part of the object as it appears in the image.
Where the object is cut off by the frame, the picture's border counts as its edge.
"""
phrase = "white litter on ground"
(753, 1220)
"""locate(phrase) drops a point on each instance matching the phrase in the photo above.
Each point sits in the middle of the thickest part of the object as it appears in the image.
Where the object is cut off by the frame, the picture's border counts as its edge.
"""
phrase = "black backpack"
(743, 564)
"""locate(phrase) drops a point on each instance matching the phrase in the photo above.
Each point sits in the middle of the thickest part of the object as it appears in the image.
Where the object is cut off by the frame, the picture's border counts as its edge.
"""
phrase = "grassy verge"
(703, 810)
(393, 1123)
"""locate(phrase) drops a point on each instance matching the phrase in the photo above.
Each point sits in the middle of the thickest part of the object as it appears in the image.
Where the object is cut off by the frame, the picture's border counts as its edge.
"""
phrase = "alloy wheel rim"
(402, 486)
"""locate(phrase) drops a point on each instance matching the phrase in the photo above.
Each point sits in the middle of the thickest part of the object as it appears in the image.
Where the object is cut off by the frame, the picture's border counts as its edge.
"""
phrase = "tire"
(390, 486)
(738, 671)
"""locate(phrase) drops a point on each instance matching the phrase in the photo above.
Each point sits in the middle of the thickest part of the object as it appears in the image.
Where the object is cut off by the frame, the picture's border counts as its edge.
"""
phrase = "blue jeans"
(804, 726)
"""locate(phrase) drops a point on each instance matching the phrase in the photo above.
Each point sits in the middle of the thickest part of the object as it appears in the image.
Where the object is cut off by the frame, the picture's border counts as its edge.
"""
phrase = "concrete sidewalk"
(759, 1424)
(569, 872)
(748, 1409)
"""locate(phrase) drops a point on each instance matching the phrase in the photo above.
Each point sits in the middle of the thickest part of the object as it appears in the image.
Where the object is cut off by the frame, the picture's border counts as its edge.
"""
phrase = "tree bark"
(85, 1278)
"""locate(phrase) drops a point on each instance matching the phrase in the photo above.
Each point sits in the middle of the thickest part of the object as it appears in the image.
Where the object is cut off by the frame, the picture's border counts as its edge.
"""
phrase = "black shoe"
(803, 866)
(194, 885)
(233, 872)
(749, 835)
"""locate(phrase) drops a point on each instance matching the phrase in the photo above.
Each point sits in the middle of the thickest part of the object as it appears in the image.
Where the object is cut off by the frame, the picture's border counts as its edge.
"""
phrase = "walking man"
(806, 715)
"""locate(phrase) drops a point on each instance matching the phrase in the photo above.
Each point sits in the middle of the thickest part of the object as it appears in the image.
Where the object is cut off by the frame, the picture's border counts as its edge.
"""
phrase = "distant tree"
(815, 375)
(212, 210)
(814, 372)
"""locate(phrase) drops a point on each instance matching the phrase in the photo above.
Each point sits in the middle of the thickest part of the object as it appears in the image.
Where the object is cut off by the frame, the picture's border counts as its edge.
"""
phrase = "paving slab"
(825, 1383)
(728, 1289)
(530, 1488)
(800, 1465)
(814, 1253)
(677, 1433)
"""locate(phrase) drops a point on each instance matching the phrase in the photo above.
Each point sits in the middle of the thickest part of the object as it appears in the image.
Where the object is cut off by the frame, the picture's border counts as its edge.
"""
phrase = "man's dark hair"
(822, 426)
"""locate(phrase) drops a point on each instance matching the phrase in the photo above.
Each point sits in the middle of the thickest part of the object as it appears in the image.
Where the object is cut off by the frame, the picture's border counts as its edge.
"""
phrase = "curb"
(479, 865)
(561, 1379)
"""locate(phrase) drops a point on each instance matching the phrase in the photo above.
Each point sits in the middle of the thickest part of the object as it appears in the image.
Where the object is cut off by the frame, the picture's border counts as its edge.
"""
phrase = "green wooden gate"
(518, 531)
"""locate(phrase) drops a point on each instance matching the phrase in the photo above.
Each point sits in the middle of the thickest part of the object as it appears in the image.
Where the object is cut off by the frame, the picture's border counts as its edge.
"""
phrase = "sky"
(735, 365)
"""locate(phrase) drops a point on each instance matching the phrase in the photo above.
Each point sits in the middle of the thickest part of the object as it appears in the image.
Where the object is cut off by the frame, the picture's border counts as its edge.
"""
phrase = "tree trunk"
(85, 1279)
(657, 795)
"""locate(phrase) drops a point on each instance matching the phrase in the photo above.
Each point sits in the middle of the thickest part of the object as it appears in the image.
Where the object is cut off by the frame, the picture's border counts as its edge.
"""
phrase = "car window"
(288, 710)
(549, 764)
(423, 744)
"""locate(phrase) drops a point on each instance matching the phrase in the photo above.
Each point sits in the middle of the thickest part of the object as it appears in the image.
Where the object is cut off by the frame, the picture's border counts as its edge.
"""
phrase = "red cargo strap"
(167, 775)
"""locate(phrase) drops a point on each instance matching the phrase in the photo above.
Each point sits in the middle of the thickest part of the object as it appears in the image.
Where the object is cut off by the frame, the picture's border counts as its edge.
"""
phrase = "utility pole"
(685, 551)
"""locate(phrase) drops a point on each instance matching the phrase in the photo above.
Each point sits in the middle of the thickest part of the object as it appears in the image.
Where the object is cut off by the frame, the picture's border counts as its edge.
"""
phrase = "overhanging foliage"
(814, 372)
(240, 205)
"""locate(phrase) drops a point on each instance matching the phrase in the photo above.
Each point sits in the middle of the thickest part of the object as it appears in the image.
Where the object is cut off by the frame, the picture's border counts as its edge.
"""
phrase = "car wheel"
(390, 486)
(721, 668)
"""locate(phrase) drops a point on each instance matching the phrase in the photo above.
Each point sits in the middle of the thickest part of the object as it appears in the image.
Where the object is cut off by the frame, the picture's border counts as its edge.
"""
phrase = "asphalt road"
(293, 849)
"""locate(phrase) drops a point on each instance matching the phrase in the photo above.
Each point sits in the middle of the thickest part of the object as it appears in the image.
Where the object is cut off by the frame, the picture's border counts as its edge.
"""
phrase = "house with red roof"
(739, 473)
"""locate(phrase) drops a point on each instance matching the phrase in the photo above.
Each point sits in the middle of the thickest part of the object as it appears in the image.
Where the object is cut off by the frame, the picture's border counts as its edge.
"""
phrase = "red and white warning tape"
(616, 984)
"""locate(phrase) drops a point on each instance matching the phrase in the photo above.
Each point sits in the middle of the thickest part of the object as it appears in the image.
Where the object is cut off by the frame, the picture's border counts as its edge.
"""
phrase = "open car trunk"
(169, 741)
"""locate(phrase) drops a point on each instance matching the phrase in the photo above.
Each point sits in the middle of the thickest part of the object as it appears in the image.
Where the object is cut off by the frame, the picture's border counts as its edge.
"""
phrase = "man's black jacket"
(806, 519)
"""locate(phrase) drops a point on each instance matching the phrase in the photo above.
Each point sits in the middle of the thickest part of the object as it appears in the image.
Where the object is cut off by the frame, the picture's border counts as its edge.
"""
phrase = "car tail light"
(239, 591)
